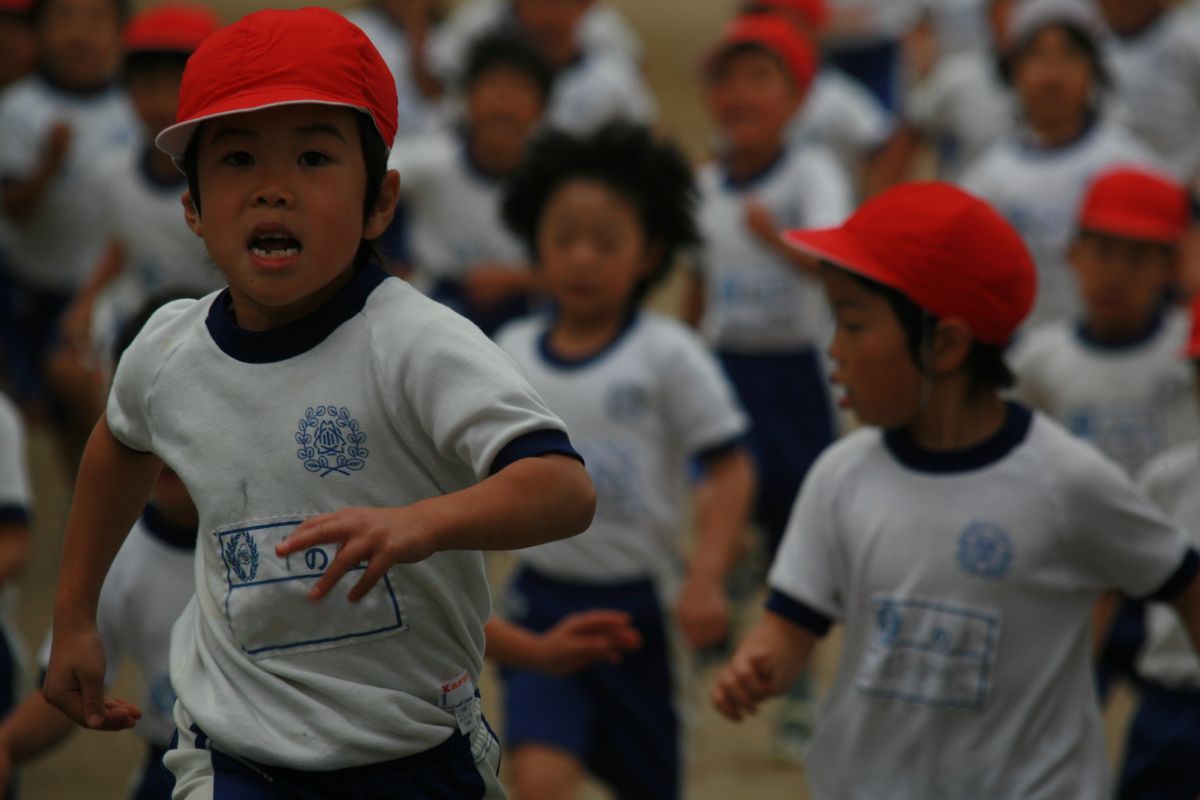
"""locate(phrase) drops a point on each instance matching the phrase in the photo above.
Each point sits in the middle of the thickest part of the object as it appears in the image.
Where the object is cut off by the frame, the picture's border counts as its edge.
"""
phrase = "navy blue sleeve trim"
(41, 679)
(538, 443)
(797, 613)
(721, 448)
(1180, 579)
(14, 513)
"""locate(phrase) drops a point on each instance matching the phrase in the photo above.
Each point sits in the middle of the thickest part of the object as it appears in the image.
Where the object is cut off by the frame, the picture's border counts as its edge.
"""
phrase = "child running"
(329, 422)
(960, 539)
(603, 217)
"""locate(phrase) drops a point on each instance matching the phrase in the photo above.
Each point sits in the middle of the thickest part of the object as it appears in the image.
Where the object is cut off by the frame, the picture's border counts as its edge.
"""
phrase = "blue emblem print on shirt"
(985, 550)
(241, 553)
(330, 441)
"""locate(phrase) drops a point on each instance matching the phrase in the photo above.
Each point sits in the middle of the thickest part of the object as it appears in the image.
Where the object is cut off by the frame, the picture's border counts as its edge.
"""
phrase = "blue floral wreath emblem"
(330, 441)
(985, 550)
(241, 554)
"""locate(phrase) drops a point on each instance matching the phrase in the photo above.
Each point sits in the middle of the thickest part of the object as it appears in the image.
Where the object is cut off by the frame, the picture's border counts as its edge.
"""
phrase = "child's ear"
(191, 214)
(385, 206)
(950, 347)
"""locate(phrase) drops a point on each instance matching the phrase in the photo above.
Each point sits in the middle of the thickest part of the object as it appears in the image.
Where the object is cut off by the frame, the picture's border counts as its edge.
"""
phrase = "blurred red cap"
(277, 58)
(1193, 343)
(812, 13)
(22, 7)
(169, 28)
(942, 248)
(1136, 204)
(774, 34)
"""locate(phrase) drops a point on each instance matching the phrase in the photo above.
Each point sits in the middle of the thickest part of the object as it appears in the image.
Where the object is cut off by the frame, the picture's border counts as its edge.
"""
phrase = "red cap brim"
(842, 249)
(1141, 229)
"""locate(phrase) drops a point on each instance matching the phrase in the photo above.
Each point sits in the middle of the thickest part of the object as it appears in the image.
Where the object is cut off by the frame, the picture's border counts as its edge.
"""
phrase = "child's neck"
(493, 161)
(579, 337)
(746, 163)
(1050, 134)
(955, 419)
(1119, 332)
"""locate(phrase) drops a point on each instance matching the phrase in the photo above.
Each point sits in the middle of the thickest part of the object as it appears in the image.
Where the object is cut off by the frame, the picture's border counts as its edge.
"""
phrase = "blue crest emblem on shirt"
(241, 555)
(330, 441)
(626, 402)
(985, 550)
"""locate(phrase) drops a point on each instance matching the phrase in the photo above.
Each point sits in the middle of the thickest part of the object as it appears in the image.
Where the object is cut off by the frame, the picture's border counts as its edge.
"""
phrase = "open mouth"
(275, 242)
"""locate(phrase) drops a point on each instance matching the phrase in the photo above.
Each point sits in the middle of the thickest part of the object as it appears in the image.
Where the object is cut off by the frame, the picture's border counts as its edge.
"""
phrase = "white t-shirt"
(417, 115)
(147, 587)
(1039, 190)
(453, 210)
(381, 397)
(637, 411)
(161, 253)
(962, 108)
(1157, 78)
(757, 301)
(55, 247)
(1173, 482)
(15, 494)
(959, 25)
(1131, 401)
(599, 88)
(965, 582)
(840, 114)
(880, 20)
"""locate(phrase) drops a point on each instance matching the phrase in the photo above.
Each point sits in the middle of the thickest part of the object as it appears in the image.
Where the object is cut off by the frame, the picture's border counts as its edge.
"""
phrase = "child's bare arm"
(766, 663)
(1188, 606)
(722, 503)
(575, 642)
(531, 501)
(113, 485)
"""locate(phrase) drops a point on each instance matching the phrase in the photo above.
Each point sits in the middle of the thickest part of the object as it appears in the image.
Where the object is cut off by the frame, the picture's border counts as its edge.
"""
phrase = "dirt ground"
(725, 761)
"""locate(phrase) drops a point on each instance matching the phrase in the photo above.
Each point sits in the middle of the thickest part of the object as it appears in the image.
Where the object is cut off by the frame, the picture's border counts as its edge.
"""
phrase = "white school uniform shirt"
(962, 107)
(637, 411)
(598, 88)
(756, 301)
(883, 20)
(162, 253)
(381, 397)
(1132, 401)
(16, 500)
(1172, 480)
(54, 248)
(149, 584)
(966, 599)
(1038, 190)
(453, 210)
(959, 25)
(416, 114)
(839, 113)
(1156, 74)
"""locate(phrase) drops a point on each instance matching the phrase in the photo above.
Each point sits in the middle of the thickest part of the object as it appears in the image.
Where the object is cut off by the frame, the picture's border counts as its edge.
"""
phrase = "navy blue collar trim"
(755, 178)
(280, 344)
(153, 179)
(1149, 333)
(94, 93)
(1033, 148)
(178, 536)
(1012, 433)
(562, 362)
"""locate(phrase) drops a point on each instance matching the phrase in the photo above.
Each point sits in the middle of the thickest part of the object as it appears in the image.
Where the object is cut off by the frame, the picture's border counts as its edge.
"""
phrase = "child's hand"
(585, 637)
(761, 223)
(55, 146)
(75, 682)
(379, 536)
(743, 683)
(702, 611)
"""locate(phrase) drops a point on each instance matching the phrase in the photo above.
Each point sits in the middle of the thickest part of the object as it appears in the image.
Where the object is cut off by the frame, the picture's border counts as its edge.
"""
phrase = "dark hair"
(151, 61)
(38, 10)
(133, 326)
(506, 50)
(375, 157)
(985, 366)
(1078, 38)
(626, 159)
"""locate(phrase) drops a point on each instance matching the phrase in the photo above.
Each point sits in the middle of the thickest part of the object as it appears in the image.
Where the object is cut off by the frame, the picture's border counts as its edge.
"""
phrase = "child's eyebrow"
(313, 130)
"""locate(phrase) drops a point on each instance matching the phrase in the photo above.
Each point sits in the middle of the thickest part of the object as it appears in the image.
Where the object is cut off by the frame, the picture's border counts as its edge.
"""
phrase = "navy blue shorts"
(29, 320)
(155, 782)
(1162, 754)
(619, 720)
(792, 422)
(876, 66)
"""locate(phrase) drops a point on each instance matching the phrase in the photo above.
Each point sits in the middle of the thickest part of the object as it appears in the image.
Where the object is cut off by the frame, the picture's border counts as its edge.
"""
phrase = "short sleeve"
(19, 140)
(15, 496)
(826, 195)
(1027, 362)
(1113, 534)
(810, 567)
(470, 397)
(699, 402)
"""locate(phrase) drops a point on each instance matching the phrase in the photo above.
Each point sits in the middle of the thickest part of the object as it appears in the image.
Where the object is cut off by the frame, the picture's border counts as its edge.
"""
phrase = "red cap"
(16, 6)
(774, 34)
(812, 13)
(942, 248)
(1135, 204)
(170, 29)
(1193, 343)
(276, 58)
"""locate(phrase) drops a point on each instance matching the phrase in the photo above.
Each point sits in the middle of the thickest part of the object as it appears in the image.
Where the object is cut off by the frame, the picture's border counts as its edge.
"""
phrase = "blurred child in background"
(462, 254)
(604, 217)
(17, 45)
(962, 541)
(16, 500)
(1036, 176)
(55, 126)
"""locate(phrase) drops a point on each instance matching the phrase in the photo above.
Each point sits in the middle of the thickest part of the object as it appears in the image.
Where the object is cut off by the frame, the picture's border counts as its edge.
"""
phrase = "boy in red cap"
(330, 423)
(960, 539)
(1163, 745)
(150, 249)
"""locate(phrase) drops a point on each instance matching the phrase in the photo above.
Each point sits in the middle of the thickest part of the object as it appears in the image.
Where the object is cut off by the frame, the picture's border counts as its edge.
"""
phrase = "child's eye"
(311, 158)
(238, 159)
